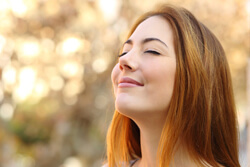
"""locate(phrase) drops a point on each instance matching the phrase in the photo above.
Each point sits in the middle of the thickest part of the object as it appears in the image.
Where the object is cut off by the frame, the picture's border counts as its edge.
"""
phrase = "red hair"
(202, 109)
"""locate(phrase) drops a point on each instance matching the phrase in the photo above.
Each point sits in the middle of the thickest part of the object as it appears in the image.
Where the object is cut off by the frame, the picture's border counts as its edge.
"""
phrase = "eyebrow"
(146, 40)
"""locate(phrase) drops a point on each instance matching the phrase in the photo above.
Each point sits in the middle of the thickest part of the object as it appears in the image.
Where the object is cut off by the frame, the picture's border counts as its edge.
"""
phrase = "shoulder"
(130, 163)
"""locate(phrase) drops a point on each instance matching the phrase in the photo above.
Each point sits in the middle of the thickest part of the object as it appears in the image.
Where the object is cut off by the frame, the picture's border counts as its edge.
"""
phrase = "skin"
(148, 103)
(155, 72)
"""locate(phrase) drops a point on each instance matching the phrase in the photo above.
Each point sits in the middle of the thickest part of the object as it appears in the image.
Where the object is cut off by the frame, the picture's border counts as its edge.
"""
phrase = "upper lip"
(130, 80)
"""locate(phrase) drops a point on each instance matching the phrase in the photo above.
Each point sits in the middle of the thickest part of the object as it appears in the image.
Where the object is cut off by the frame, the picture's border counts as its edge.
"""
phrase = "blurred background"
(56, 57)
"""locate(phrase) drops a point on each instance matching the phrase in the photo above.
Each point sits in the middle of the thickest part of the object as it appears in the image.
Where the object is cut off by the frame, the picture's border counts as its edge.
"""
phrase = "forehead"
(154, 26)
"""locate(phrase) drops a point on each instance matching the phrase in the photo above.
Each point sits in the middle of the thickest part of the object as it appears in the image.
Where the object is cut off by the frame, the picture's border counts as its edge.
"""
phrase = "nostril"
(125, 66)
(120, 67)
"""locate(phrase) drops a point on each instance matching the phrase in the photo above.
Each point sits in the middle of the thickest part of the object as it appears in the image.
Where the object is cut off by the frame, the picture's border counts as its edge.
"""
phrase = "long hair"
(202, 110)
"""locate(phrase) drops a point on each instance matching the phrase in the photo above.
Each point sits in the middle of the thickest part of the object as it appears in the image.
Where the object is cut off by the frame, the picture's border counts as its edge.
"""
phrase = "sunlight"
(9, 75)
(248, 7)
(30, 49)
(4, 6)
(41, 88)
(1, 93)
(18, 7)
(56, 83)
(100, 65)
(109, 8)
(71, 45)
(72, 162)
(6, 111)
(71, 69)
(2, 42)
(27, 78)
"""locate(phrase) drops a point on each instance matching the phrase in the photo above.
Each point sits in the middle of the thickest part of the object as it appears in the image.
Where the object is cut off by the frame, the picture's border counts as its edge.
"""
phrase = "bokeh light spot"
(100, 65)
(18, 7)
(71, 69)
(69, 46)
(56, 83)
(72, 162)
(4, 6)
(30, 49)
(2, 42)
(41, 88)
(6, 111)
(9, 75)
(109, 8)
(73, 88)
(70, 100)
(1, 93)
(27, 78)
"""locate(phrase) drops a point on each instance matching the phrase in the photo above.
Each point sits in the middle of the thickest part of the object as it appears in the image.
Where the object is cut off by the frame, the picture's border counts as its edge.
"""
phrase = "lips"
(128, 82)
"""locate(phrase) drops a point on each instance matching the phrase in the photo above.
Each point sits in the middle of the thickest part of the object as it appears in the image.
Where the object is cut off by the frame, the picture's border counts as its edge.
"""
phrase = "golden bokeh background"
(56, 57)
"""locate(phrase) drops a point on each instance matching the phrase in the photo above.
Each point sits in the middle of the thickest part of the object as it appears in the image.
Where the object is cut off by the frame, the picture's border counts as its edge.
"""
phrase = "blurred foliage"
(56, 57)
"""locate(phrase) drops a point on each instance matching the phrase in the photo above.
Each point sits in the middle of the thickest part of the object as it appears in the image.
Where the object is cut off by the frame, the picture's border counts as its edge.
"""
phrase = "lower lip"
(126, 85)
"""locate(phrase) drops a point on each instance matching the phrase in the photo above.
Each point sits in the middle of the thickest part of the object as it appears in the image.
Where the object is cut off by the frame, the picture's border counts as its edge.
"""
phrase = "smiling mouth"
(128, 82)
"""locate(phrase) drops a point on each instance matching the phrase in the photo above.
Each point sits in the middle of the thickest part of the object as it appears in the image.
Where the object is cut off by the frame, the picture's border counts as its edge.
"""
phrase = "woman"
(173, 96)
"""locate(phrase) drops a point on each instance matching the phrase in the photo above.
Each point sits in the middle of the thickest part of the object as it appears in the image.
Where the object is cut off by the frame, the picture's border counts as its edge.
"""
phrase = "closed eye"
(122, 54)
(148, 51)
(152, 52)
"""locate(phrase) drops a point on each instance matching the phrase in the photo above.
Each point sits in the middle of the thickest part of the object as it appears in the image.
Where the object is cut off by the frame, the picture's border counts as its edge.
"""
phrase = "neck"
(150, 131)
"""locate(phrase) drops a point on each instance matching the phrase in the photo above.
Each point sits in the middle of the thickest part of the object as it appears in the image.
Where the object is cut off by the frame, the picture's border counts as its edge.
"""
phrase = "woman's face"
(143, 78)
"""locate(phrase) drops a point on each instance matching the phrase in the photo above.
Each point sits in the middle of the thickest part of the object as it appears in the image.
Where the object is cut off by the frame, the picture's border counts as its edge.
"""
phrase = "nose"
(128, 62)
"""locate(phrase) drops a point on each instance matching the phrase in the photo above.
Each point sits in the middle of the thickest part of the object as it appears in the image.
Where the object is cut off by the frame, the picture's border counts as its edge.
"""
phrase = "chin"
(126, 108)
(131, 110)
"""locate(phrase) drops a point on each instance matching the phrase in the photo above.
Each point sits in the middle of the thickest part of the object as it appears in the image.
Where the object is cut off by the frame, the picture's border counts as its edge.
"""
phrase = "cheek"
(162, 79)
(115, 76)
(161, 73)
(167, 78)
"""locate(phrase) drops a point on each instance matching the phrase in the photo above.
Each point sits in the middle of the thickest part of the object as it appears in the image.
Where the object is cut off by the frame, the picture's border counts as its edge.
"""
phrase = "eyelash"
(148, 51)
(152, 52)
(122, 54)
